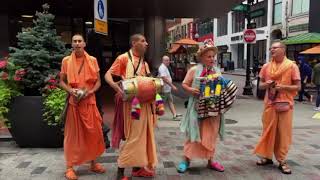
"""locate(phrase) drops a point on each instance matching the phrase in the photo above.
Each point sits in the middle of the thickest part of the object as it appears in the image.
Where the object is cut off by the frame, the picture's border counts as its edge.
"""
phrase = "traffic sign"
(241, 8)
(257, 13)
(249, 36)
(100, 17)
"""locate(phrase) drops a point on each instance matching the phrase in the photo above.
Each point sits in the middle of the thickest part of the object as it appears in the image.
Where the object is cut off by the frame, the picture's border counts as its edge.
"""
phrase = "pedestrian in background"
(316, 81)
(164, 73)
(305, 73)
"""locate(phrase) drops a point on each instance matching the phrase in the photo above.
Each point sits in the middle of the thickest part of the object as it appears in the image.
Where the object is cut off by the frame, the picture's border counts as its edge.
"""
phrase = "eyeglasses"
(275, 48)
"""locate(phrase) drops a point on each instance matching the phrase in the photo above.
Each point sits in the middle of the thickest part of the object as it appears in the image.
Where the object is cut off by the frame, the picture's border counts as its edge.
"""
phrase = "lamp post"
(247, 90)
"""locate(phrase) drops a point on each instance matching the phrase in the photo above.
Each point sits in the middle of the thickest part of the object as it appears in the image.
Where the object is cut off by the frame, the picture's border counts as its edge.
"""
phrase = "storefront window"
(222, 25)
(205, 28)
(300, 6)
(277, 11)
(259, 51)
(238, 21)
(262, 20)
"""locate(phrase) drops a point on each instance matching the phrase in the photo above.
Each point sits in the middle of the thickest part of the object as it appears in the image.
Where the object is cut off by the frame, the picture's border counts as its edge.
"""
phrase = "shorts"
(167, 97)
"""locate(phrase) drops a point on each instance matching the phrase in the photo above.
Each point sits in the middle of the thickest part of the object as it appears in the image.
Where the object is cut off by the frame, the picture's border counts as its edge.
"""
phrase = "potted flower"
(37, 60)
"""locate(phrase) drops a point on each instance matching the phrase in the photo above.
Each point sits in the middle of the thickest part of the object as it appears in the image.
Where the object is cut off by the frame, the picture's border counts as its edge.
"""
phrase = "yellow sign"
(101, 26)
(100, 17)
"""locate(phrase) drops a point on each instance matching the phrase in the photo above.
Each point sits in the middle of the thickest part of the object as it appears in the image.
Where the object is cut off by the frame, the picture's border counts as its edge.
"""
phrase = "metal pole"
(247, 90)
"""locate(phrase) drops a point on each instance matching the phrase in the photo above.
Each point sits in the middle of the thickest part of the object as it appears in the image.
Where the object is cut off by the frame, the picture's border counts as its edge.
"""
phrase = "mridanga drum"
(144, 88)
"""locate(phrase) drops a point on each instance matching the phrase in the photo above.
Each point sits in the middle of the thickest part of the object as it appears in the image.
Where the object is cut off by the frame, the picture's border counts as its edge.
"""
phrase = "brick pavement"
(235, 153)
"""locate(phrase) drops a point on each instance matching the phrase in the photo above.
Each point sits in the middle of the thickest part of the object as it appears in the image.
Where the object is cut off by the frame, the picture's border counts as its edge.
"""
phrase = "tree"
(39, 52)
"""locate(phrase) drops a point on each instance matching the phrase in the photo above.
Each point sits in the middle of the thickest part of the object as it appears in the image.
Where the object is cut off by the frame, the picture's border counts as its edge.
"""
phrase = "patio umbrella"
(313, 50)
(176, 48)
(186, 41)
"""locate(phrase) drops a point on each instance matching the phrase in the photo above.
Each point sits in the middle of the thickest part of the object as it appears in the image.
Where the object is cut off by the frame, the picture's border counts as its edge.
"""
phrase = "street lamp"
(247, 90)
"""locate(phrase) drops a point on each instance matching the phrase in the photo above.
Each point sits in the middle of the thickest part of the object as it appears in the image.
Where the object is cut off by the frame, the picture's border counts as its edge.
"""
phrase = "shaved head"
(78, 34)
(135, 38)
(166, 60)
(138, 44)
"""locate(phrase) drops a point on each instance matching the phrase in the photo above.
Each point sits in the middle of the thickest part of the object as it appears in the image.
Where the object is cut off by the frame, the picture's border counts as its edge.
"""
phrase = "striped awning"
(306, 38)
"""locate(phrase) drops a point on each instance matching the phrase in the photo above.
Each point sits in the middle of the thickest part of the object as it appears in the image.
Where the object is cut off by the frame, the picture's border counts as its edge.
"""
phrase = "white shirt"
(163, 71)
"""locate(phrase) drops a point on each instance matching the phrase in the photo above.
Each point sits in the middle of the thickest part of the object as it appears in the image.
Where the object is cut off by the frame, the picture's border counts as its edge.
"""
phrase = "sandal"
(70, 174)
(284, 168)
(97, 168)
(264, 162)
(142, 172)
(183, 166)
(216, 166)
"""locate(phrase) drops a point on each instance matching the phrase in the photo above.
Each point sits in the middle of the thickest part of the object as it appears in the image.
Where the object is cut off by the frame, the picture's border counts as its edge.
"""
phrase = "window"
(262, 20)
(300, 6)
(238, 21)
(277, 11)
(222, 26)
(205, 27)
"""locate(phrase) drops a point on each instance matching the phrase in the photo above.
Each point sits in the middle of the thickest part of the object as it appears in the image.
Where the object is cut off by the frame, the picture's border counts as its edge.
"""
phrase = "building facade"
(281, 19)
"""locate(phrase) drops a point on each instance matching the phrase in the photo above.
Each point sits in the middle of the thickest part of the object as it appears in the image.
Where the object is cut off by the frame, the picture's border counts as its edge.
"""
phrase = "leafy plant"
(6, 95)
(10, 77)
(53, 106)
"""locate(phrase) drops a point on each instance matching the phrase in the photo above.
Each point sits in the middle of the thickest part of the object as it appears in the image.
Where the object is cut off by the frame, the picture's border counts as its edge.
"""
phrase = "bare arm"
(265, 84)
(63, 84)
(295, 87)
(166, 80)
(190, 90)
(96, 86)
(110, 81)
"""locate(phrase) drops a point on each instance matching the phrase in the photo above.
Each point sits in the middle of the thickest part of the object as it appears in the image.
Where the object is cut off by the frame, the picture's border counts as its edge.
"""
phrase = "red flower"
(3, 64)
(20, 72)
(52, 87)
(17, 78)
(52, 81)
(4, 76)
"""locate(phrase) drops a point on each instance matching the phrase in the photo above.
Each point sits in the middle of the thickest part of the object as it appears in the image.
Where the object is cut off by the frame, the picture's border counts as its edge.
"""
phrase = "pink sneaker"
(216, 166)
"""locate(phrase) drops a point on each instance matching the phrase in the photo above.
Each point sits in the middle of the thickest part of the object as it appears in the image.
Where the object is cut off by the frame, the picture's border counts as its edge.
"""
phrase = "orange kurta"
(276, 137)
(139, 148)
(83, 138)
(209, 130)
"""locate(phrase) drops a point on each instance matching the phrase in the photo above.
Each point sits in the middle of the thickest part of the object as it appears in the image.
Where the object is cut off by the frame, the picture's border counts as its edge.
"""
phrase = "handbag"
(282, 106)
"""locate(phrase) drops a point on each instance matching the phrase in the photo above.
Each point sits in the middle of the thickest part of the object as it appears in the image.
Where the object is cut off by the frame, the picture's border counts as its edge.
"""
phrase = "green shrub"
(53, 105)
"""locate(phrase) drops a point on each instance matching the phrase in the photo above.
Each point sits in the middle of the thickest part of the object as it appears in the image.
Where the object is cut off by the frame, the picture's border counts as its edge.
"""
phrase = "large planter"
(27, 126)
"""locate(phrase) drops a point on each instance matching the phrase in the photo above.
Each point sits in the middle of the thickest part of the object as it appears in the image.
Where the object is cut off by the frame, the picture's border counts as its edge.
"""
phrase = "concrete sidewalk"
(246, 113)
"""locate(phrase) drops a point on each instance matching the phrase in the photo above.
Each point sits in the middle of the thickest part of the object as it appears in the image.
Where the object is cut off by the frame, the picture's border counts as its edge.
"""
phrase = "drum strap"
(135, 69)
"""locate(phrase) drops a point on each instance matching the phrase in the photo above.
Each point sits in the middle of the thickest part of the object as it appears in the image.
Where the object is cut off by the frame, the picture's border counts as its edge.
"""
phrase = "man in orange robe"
(281, 78)
(83, 138)
(139, 148)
